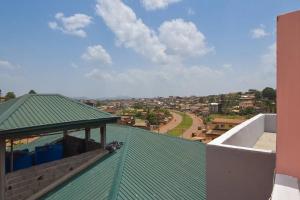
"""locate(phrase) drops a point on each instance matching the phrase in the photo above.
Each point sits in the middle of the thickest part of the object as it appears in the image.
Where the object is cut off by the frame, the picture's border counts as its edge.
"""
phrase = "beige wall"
(238, 174)
(288, 94)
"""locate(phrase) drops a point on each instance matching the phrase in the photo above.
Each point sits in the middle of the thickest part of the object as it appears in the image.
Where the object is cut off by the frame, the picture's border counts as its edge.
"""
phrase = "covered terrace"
(41, 115)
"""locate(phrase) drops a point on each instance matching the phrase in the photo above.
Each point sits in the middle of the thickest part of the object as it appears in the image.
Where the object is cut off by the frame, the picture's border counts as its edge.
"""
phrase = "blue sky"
(138, 48)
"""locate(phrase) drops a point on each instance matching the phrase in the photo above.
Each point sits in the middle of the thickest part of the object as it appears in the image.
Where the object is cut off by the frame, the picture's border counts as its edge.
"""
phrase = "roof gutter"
(50, 128)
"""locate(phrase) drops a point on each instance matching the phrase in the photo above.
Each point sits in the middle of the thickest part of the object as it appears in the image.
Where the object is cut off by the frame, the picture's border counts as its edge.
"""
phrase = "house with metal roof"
(46, 116)
(68, 160)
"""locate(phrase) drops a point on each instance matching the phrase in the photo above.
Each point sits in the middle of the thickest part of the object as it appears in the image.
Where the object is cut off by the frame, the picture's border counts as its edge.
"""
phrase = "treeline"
(12, 95)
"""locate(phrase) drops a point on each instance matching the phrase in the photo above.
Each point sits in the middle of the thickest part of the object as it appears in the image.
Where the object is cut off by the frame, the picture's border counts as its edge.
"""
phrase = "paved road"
(197, 121)
(172, 124)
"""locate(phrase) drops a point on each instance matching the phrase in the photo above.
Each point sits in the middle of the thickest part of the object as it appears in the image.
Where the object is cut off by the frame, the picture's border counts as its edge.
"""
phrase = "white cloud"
(72, 25)
(4, 64)
(157, 4)
(131, 31)
(268, 60)
(162, 80)
(175, 40)
(228, 67)
(75, 66)
(177, 79)
(190, 11)
(259, 32)
(97, 53)
(264, 74)
(183, 38)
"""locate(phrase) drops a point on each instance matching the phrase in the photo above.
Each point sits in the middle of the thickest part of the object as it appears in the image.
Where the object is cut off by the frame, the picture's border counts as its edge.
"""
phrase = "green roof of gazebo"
(42, 113)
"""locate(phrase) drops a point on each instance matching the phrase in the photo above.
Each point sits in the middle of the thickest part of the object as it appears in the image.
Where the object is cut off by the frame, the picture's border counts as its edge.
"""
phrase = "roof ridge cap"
(157, 134)
(14, 107)
(83, 104)
(119, 172)
(161, 134)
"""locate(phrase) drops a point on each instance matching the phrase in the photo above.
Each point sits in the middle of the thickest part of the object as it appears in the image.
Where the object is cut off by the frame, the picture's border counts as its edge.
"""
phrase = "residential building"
(90, 102)
(139, 123)
(2, 99)
(259, 159)
(246, 104)
(25, 173)
(224, 123)
(214, 107)
(287, 178)
(78, 167)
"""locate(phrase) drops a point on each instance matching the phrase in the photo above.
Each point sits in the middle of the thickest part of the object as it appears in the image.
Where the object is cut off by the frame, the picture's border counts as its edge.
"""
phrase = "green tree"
(248, 112)
(138, 105)
(269, 93)
(98, 104)
(207, 119)
(167, 113)
(31, 92)
(152, 118)
(10, 95)
(138, 115)
(270, 106)
(258, 95)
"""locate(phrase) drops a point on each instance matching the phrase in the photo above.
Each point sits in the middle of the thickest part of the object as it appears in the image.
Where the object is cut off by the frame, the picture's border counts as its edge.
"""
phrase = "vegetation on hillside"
(153, 116)
(10, 95)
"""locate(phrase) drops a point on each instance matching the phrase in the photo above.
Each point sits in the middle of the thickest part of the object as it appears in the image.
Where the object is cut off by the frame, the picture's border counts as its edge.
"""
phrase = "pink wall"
(288, 94)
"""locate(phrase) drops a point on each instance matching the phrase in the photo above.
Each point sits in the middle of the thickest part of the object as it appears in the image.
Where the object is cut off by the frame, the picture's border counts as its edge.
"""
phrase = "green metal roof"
(39, 112)
(148, 166)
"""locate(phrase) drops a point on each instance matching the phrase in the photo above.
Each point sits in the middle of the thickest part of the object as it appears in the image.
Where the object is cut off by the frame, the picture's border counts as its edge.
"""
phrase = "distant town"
(199, 118)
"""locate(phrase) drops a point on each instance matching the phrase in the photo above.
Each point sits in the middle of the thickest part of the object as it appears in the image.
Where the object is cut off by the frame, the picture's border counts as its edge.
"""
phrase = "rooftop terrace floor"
(267, 142)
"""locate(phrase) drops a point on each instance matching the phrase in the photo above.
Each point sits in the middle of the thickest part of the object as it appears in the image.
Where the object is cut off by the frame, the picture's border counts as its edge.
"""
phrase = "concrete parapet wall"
(235, 170)
(271, 123)
(245, 134)
(235, 174)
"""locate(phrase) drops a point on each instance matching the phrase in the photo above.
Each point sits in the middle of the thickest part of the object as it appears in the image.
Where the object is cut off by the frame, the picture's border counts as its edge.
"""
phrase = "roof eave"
(50, 128)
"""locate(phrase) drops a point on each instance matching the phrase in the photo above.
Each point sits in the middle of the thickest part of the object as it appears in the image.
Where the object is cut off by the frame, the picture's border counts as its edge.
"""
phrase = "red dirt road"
(172, 124)
(197, 121)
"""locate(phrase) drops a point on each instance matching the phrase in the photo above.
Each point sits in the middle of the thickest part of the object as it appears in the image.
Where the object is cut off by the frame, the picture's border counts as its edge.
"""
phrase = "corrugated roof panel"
(148, 166)
(38, 110)
(162, 166)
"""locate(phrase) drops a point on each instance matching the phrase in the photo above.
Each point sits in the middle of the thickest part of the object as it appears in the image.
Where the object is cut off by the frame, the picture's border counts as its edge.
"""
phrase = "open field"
(185, 124)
